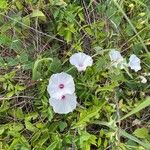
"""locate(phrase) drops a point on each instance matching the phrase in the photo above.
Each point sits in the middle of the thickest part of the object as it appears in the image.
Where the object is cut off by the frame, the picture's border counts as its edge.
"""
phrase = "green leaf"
(16, 113)
(89, 31)
(13, 144)
(16, 127)
(19, 88)
(35, 137)
(37, 13)
(88, 114)
(10, 94)
(81, 16)
(32, 115)
(86, 140)
(56, 65)
(62, 126)
(3, 4)
(11, 61)
(1, 130)
(52, 146)
(16, 45)
(43, 138)
(127, 135)
(49, 113)
(107, 87)
(5, 106)
(138, 108)
(5, 40)
(2, 62)
(124, 134)
(35, 72)
(61, 3)
(30, 126)
(24, 142)
(23, 58)
(141, 133)
(58, 3)
(19, 5)
(68, 36)
(26, 21)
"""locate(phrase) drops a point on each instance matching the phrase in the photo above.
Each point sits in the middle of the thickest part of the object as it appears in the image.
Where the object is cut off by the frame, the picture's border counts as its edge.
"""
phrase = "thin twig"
(7, 98)
(53, 37)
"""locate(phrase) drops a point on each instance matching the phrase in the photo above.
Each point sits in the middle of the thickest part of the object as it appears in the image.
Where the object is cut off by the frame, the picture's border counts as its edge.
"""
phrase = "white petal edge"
(64, 106)
(81, 58)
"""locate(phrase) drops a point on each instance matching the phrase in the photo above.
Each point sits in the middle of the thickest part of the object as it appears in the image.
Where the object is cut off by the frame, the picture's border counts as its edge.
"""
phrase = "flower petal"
(143, 79)
(134, 63)
(81, 61)
(115, 55)
(64, 106)
(116, 59)
(88, 61)
(56, 80)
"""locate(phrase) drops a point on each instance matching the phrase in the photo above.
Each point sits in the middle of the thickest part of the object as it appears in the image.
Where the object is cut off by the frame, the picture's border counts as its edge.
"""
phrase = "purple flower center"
(80, 65)
(61, 86)
(63, 97)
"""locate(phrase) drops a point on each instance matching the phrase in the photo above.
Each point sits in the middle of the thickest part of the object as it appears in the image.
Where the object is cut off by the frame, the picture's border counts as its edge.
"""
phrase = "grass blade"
(132, 26)
(124, 134)
(141, 106)
(133, 138)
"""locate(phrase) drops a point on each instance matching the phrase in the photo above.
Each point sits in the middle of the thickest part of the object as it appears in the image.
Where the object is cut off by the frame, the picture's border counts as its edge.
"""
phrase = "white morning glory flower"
(134, 63)
(67, 103)
(116, 59)
(143, 79)
(60, 84)
(81, 61)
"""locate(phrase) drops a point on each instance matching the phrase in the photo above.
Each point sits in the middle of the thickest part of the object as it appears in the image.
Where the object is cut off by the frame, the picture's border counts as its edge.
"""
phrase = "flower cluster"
(61, 87)
(118, 61)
